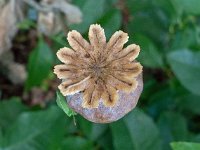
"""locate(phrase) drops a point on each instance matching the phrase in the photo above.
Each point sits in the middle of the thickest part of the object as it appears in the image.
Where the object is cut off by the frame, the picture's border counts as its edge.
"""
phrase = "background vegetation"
(168, 113)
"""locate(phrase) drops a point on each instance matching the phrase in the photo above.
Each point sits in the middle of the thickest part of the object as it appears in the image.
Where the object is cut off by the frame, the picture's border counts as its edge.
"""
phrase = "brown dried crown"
(98, 69)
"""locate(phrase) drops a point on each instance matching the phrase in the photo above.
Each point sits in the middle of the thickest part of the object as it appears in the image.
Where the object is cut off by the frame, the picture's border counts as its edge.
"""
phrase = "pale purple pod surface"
(103, 114)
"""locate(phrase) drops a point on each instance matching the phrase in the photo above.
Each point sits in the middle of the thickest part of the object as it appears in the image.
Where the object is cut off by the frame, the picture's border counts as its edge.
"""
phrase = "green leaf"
(196, 138)
(39, 64)
(173, 127)
(91, 130)
(185, 146)
(84, 125)
(185, 38)
(136, 131)
(186, 66)
(149, 54)
(36, 131)
(92, 11)
(61, 102)
(121, 134)
(26, 24)
(135, 6)
(1, 138)
(160, 100)
(10, 109)
(189, 6)
(111, 22)
(147, 19)
(105, 140)
(97, 131)
(189, 103)
(170, 9)
(77, 143)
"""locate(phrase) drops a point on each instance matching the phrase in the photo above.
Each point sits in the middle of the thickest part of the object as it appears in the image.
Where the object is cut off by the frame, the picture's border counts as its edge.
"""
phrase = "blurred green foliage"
(168, 32)
(185, 146)
(39, 65)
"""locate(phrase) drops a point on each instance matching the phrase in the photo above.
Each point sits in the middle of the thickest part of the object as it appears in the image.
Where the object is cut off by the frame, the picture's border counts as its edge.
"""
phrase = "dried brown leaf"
(9, 17)
(50, 20)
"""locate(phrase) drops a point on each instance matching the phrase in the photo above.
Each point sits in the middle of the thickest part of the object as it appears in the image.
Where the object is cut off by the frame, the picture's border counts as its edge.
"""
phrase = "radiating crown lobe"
(98, 69)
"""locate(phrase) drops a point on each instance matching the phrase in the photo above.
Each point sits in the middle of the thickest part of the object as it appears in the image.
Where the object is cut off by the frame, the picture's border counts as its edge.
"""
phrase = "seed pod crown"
(98, 69)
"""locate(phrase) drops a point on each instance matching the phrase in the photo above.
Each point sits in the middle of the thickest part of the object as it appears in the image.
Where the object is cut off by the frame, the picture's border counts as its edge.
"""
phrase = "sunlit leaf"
(185, 146)
(62, 103)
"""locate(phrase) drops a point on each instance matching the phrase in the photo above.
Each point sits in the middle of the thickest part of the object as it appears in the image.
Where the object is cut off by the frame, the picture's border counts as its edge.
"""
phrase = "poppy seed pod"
(103, 81)
(103, 114)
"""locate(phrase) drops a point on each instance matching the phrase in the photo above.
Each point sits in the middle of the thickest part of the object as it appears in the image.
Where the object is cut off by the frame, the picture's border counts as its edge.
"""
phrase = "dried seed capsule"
(101, 77)
(104, 114)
